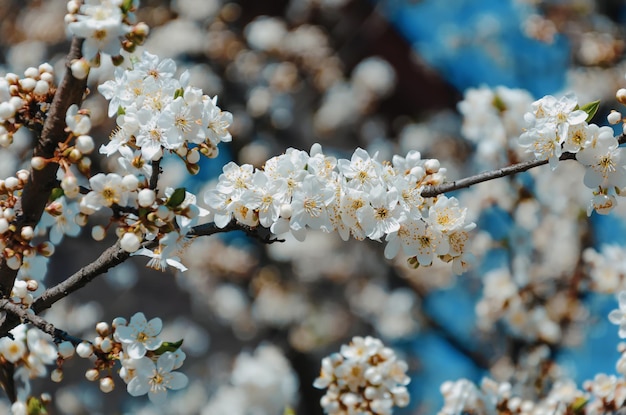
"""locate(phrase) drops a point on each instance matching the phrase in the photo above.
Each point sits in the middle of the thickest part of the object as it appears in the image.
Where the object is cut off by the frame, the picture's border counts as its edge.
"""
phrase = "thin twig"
(111, 257)
(39, 322)
(432, 191)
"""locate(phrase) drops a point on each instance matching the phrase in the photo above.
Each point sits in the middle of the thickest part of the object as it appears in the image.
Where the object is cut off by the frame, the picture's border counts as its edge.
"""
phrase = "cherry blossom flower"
(140, 335)
(156, 379)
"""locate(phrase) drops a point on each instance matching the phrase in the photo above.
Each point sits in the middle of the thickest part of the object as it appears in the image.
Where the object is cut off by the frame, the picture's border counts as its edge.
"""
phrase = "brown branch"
(111, 257)
(41, 182)
(432, 191)
(25, 316)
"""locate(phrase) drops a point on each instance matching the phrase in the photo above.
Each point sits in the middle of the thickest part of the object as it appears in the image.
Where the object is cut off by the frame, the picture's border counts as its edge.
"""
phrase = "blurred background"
(450, 79)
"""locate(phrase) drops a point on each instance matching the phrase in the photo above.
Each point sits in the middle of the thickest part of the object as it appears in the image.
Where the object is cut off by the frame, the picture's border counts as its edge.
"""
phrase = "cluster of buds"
(364, 378)
(24, 101)
(72, 151)
(106, 27)
(147, 362)
(15, 243)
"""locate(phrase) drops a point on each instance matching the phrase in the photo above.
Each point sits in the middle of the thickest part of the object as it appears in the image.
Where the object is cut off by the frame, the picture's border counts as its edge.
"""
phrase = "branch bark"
(41, 182)
(432, 191)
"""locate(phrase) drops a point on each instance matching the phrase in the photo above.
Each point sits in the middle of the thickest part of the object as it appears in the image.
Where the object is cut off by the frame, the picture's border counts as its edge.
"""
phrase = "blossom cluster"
(107, 26)
(556, 126)
(361, 197)
(365, 377)
(30, 351)
(262, 382)
(157, 113)
(602, 394)
(148, 363)
(24, 101)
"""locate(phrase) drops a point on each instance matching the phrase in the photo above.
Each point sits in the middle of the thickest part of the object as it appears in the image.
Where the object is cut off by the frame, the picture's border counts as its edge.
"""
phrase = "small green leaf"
(179, 93)
(498, 103)
(579, 404)
(56, 193)
(120, 110)
(176, 198)
(591, 108)
(168, 347)
(35, 406)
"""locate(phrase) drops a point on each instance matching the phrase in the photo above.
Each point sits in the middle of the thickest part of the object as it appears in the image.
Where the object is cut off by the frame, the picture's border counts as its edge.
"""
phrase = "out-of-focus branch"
(41, 182)
(433, 191)
(37, 321)
(113, 256)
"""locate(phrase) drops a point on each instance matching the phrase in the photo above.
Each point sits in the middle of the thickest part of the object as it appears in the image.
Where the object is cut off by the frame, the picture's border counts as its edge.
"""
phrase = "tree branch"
(111, 257)
(432, 191)
(41, 182)
(39, 322)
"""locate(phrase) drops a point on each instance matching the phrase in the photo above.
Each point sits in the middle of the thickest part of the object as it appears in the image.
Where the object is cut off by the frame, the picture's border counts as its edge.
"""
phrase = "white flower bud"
(31, 72)
(193, 156)
(130, 242)
(47, 77)
(73, 7)
(5, 139)
(614, 117)
(98, 233)
(9, 214)
(27, 233)
(102, 328)
(19, 289)
(6, 111)
(41, 88)
(92, 374)
(4, 225)
(11, 183)
(28, 84)
(69, 184)
(17, 103)
(84, 349)
(14, 262)
(84, 144)
(106, 345)
(620, 95)
(432, 166)
(46, 68)
(286, 211)
(118, 321)
(22, 175)
(130, 182)
(146, 197)
(66, 349)
(163, 212)
(32, 285)
(106, 384)
(38, 163)
(56, 375)
(80, 68)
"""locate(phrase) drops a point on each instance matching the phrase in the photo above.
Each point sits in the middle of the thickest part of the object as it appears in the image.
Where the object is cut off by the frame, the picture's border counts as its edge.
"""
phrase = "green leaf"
(120, 110)
(578, 405)
(591, 108)
(289, 411)
(176, 198)
(56, 193)
(35, 406)
(179, 93)
(168, 347)
(498, 103)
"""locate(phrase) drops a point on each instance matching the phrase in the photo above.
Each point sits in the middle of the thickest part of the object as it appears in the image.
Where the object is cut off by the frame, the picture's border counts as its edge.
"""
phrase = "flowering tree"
(68, 182)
